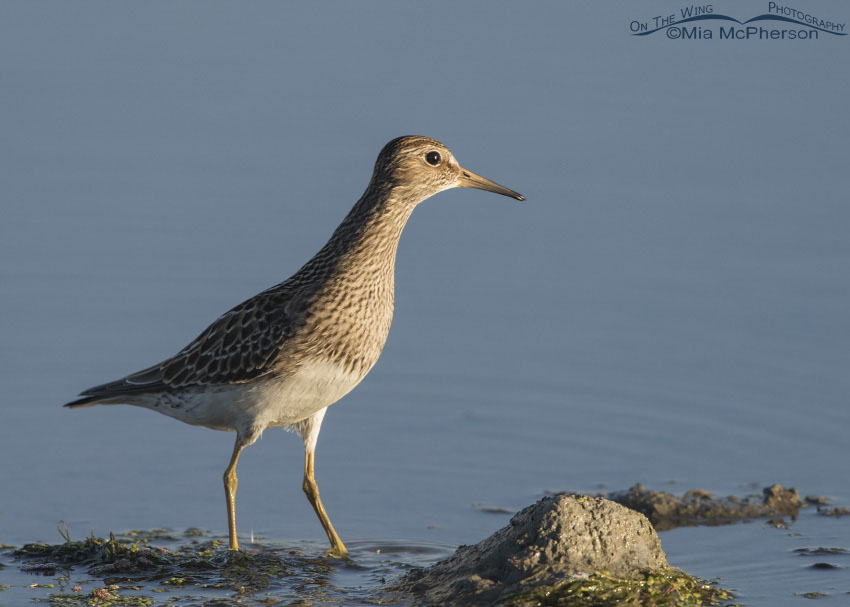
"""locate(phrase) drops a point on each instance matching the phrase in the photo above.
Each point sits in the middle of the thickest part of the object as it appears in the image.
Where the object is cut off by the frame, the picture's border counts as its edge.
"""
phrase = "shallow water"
(669, 306)
(308, 580)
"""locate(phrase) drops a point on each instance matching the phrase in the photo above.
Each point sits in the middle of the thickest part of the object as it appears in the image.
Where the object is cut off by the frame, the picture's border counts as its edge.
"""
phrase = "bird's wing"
(240, 346)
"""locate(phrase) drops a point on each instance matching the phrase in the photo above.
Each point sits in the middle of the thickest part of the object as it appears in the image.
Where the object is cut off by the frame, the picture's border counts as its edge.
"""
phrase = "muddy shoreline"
(595, 549)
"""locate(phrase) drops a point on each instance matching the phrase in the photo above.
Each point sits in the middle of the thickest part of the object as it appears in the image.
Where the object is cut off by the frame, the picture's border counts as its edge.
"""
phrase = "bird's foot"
(337, 552)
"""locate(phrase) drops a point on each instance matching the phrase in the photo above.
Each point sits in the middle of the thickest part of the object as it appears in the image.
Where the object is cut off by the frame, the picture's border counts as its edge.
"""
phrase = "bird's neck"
(363, 247)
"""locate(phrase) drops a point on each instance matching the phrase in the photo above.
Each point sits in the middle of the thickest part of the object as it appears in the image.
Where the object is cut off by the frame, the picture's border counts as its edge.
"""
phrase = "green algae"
(129, 561)
(130, 557)
(662, 588)
(94, 600)
(95, 552)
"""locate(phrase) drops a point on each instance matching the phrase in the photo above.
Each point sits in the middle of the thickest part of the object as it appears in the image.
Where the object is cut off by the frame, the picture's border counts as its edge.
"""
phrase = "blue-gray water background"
(670, 305)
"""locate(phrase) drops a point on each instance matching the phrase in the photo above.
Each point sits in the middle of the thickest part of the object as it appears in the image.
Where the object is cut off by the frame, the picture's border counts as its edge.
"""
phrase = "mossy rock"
(662, 588)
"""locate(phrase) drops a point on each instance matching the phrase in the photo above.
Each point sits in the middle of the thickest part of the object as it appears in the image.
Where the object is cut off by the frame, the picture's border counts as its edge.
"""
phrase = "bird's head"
(422, 167)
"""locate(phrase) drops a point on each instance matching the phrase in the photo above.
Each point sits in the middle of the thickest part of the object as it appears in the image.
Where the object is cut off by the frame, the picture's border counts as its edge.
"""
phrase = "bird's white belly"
(314, 386)
(250, 408)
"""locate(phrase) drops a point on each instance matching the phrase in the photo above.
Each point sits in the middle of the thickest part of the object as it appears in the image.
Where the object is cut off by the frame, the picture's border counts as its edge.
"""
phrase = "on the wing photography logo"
(701, 22)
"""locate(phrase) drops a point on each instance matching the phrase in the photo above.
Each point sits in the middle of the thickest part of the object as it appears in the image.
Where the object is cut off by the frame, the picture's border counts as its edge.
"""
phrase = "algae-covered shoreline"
(164, 567)
(161, 567)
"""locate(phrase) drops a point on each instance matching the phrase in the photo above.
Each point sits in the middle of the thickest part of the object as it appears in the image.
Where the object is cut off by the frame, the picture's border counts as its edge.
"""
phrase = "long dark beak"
(468, 179)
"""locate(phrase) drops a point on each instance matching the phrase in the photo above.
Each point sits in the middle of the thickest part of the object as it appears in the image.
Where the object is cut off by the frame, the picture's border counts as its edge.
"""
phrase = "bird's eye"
(432, 158)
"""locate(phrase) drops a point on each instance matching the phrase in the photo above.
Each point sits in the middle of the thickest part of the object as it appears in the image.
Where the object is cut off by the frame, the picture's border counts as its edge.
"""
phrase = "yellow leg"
(312, 490)
(230, 483)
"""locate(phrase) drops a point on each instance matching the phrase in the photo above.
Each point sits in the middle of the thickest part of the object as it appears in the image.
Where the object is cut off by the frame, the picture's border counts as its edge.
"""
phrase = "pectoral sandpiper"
(283, 356)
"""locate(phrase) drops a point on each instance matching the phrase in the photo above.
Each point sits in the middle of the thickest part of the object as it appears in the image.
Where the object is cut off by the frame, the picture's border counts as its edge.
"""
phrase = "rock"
(698, 507)
(818, 500)
(558, 538)
(782, 500)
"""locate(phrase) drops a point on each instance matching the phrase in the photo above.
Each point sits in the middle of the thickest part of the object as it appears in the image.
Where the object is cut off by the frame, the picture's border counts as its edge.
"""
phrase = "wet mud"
(698, 507)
